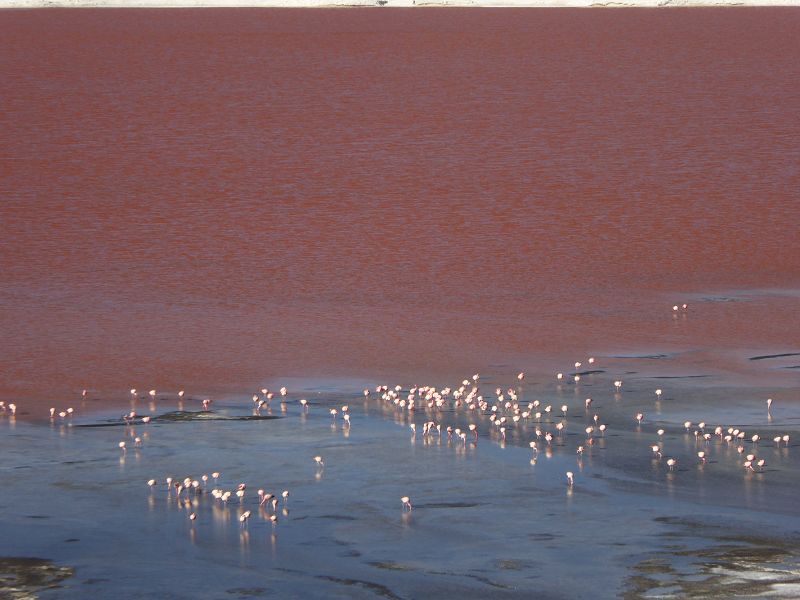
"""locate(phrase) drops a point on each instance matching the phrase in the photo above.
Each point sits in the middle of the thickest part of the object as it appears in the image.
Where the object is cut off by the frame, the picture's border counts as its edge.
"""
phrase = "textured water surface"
(211, 198)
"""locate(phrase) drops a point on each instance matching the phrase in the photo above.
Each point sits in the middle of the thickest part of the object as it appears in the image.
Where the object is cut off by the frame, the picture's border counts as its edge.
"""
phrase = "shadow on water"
(449, 505)
(767, 356)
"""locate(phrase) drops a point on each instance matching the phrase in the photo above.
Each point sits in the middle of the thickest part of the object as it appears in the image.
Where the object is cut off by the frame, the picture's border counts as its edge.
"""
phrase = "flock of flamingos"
(495, 413)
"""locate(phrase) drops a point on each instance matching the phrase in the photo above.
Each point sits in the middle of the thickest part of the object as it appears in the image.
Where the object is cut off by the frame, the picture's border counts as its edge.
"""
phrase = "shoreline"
(35, 4)
(773, 370)
(639, 371)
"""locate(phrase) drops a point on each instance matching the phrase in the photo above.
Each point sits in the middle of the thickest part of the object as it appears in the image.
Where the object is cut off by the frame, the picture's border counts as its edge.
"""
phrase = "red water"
(211, 199)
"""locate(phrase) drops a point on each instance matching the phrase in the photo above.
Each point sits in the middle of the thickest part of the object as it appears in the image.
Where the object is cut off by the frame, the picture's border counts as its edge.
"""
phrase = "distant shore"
(24, 4)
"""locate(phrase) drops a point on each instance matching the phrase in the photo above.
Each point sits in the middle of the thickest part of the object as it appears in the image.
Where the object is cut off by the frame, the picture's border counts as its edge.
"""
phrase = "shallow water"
(486, 520)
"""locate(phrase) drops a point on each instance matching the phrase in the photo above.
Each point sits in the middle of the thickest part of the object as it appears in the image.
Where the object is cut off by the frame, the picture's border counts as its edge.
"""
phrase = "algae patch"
(375, 588)
(179, 416)
(390, 565)
(713, 563)
(22, 577)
